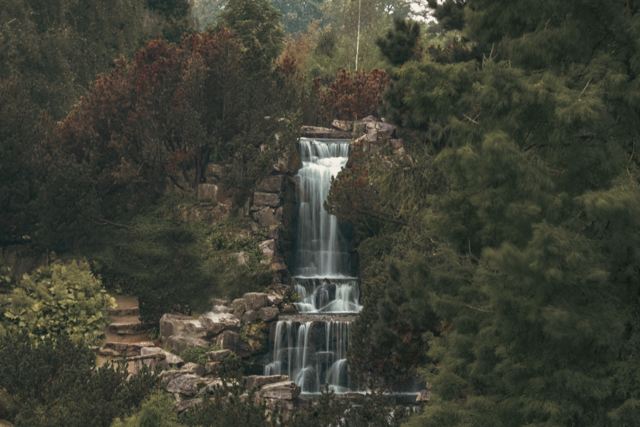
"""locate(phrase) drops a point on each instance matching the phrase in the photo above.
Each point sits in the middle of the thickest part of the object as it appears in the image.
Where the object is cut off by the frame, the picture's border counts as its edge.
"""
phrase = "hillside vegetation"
(499, 257)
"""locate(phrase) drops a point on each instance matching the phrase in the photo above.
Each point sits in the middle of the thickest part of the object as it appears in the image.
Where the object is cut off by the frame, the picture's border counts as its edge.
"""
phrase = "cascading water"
(312, 349)
(321, 248)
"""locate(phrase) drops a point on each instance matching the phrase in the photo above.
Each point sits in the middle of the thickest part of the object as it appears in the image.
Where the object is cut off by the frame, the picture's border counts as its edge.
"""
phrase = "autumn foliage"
(353, 95)
(161, 118)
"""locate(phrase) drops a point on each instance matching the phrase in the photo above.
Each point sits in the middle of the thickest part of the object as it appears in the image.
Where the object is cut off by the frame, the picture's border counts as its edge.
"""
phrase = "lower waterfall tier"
(312, 352)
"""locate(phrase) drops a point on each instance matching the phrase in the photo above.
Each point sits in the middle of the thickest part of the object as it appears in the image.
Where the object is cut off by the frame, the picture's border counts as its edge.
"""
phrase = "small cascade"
(312, 353)
(312, 347)
(327, 295)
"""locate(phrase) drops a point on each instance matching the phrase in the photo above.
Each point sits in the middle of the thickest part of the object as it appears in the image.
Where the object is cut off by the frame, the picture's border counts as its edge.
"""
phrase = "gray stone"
(273, 232)
(186, 404)
(221, 309)
(130, 311)
(275, 299)
(211, 368)
(215, 170)
(265, 217)
(218, 355)
(424, 396)
(288, 309)
(250, 316)
(170, 358)
(319, 132)
(238, 308)
(266, 199)
(255, 300)
(278, 266)
(193, 368)
(268, 313)
(395, 144)
(214, 323)
(166, 376)
(285, 390)
(180, 343)
(229, 340)
(268, 248)
(241, 258)
(127, 328)
(207, 192)
(343, 125)
(172, 324)
(188, 384)
(260, 380)
(219, 301)
(271, 184)
(238, 302)
(286, 408)
(133, 349)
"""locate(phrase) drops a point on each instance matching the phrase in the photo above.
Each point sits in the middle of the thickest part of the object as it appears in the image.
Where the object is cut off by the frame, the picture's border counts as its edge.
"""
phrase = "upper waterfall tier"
(321, 248)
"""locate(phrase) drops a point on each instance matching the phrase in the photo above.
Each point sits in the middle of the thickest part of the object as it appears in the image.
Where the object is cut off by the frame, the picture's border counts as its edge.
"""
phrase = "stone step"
(129, 311)
(127, 328)
(118, 348)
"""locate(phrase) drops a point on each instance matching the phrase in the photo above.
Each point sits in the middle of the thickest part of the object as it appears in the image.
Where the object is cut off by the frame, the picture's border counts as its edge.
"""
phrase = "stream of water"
(310, 348)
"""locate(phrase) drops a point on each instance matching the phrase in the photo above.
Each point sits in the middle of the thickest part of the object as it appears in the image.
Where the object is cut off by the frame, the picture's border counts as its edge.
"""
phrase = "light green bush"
(157, 411)
(64, 298)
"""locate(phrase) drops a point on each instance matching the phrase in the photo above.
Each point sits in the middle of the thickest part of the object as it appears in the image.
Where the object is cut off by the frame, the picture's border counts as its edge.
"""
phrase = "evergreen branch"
(470, 119)
(478, 309)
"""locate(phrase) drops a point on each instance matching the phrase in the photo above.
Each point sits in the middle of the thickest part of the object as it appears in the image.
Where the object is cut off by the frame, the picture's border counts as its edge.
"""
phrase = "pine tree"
(535, 267)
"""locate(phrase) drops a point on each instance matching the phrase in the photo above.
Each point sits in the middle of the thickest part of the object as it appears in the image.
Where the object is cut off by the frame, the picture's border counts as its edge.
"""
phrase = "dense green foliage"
(62, 299)
(56, 383)
(522, 199)
(21, 133)
(178, 266)
(58, 47)
(156, 411)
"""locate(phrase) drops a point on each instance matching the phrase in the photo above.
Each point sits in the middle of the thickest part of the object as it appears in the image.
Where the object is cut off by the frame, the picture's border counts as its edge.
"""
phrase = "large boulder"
(275, 299)
(255, 300)
(207, 192)
(189, 384)
(266, 199)
(268, 313)
(193, 368)
(260, 380)
(424, 396)
(271, 184)
(218, 355)
(319, 132)
(250, 317)
(230, 340)
(238, 307)
(173, 324)
(268, 248)
(183, 405)
(285, 390)
(170, 358)
(266, 217)
(214, 323)
(180, 343)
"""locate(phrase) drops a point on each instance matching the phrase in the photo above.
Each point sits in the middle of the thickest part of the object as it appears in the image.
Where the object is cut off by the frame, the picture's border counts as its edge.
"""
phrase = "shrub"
(198, 354)
(56, 383)
(64, 298)
(157, 411)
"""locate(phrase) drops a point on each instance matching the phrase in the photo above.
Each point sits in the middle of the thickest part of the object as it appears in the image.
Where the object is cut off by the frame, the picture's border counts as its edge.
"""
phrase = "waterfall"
(321, 248)
(312, 348)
